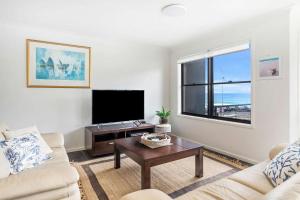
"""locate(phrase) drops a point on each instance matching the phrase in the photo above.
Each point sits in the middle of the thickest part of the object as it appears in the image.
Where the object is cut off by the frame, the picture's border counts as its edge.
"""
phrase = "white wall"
(269, 35)
(294, 72)
(116, 64)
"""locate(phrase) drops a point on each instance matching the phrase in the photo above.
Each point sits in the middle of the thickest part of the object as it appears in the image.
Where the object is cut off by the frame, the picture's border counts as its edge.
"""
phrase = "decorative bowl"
(155, 140)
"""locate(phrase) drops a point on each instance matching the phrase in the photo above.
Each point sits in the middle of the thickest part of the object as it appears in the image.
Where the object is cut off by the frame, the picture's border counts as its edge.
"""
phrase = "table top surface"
(133, 145)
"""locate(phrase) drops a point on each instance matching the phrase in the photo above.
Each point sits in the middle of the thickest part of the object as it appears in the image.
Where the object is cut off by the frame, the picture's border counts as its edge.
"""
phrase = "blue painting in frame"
(52, 64)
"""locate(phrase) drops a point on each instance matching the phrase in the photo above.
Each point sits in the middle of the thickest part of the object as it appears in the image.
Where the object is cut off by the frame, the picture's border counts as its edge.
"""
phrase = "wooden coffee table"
(147, 157)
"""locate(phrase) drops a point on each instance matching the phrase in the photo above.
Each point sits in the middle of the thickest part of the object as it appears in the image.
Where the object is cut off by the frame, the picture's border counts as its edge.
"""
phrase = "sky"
(233, 67)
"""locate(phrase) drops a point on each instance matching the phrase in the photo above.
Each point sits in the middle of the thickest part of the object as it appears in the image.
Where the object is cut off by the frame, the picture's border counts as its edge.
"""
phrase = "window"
(218, 86)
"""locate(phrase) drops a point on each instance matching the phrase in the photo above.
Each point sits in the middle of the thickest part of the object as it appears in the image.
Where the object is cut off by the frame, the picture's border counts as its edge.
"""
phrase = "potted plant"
(163, 115)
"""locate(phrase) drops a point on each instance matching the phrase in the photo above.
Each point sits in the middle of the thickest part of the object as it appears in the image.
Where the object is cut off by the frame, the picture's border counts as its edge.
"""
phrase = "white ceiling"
(138, 20)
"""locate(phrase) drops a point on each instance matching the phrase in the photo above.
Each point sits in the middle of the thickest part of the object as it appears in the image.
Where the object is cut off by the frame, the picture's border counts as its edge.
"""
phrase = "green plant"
(163, 114)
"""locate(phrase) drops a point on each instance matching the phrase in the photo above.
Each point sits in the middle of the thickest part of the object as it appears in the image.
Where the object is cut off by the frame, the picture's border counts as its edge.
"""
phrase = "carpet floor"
(99, 179)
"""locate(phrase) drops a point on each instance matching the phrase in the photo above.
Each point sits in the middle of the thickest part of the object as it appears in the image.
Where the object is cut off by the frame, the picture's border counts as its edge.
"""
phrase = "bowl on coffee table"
(156, 140)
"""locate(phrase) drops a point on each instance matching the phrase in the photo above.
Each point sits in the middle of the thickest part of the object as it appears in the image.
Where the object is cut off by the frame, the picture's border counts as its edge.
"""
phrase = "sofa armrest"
(37, 180)
(54, 139)
(149, 194)
(277, 149)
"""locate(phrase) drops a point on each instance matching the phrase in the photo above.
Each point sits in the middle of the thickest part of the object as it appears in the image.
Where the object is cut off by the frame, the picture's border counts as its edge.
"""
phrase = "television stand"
(99, 140)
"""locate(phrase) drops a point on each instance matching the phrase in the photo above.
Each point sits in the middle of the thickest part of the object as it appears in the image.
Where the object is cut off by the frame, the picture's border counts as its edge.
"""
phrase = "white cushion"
(3, 128)
(2, 138)
(148, 194)
(284, 165)
(44, 146)
(4, 165)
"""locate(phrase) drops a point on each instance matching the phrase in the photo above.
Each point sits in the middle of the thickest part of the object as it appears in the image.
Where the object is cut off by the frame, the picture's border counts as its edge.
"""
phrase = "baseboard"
(75, 149)
(242, 158)
(226, 153)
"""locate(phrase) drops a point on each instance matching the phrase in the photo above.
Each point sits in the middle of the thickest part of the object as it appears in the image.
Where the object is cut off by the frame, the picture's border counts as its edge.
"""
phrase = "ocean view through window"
(218, 86)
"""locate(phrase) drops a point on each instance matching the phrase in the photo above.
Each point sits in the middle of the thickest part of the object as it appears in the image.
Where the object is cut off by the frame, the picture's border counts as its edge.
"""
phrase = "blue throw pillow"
(24, 152)
(284, 165)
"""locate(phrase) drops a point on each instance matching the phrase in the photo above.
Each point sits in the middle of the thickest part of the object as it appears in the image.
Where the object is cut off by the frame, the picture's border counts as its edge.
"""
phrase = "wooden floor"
(79, 156)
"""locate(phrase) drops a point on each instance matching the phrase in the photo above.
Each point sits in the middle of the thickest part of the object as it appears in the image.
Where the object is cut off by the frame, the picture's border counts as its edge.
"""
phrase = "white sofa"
(55, 179)
(248, 184)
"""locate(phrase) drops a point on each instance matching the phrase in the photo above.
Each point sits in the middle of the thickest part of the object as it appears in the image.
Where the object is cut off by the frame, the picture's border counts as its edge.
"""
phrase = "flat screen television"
(117, 106)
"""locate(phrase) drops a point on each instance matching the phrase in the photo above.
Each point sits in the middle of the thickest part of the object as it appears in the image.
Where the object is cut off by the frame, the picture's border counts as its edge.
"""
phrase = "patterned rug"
(99, 179)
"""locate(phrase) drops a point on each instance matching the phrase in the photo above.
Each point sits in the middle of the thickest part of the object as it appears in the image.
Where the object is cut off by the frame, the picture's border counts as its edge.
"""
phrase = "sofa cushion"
(4, 165)
(56, 142)
(58, 155)
(149, 194)
(3, 128)
(2, 138)
(223, 189)
(70, 192)
(37, 180)
(198, 195)
(288, 190)
(53, 139)
(277, 149)
(16, 133)
(229, 189)
(254, 178)
(284, 165)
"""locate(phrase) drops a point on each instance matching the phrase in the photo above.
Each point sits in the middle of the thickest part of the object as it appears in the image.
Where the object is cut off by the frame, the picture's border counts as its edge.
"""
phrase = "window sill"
(223, 122)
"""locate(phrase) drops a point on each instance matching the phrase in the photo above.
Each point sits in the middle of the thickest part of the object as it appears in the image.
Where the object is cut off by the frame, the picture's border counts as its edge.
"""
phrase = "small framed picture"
(269, 68)
(58, 65)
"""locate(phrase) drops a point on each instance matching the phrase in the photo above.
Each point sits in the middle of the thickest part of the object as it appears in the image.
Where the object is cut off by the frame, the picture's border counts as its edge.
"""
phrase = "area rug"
(99, 179)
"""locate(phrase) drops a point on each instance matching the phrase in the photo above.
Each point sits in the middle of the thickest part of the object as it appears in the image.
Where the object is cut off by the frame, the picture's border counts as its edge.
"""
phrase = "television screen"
(117, 105)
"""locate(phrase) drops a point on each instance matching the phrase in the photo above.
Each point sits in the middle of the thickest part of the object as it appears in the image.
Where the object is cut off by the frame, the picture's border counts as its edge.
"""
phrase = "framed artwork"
(269, 68)
(57, 65)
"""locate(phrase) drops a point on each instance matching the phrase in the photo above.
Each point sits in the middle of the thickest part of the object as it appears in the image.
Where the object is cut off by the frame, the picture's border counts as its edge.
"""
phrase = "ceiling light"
(174, 10)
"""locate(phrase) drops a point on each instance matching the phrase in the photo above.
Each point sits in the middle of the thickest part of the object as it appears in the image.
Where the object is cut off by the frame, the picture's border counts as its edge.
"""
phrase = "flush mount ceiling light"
(174, 10)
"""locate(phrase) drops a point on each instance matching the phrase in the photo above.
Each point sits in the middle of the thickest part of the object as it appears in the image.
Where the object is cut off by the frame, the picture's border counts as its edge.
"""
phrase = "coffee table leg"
(146, 176)
(199, 164)
(117, 158)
